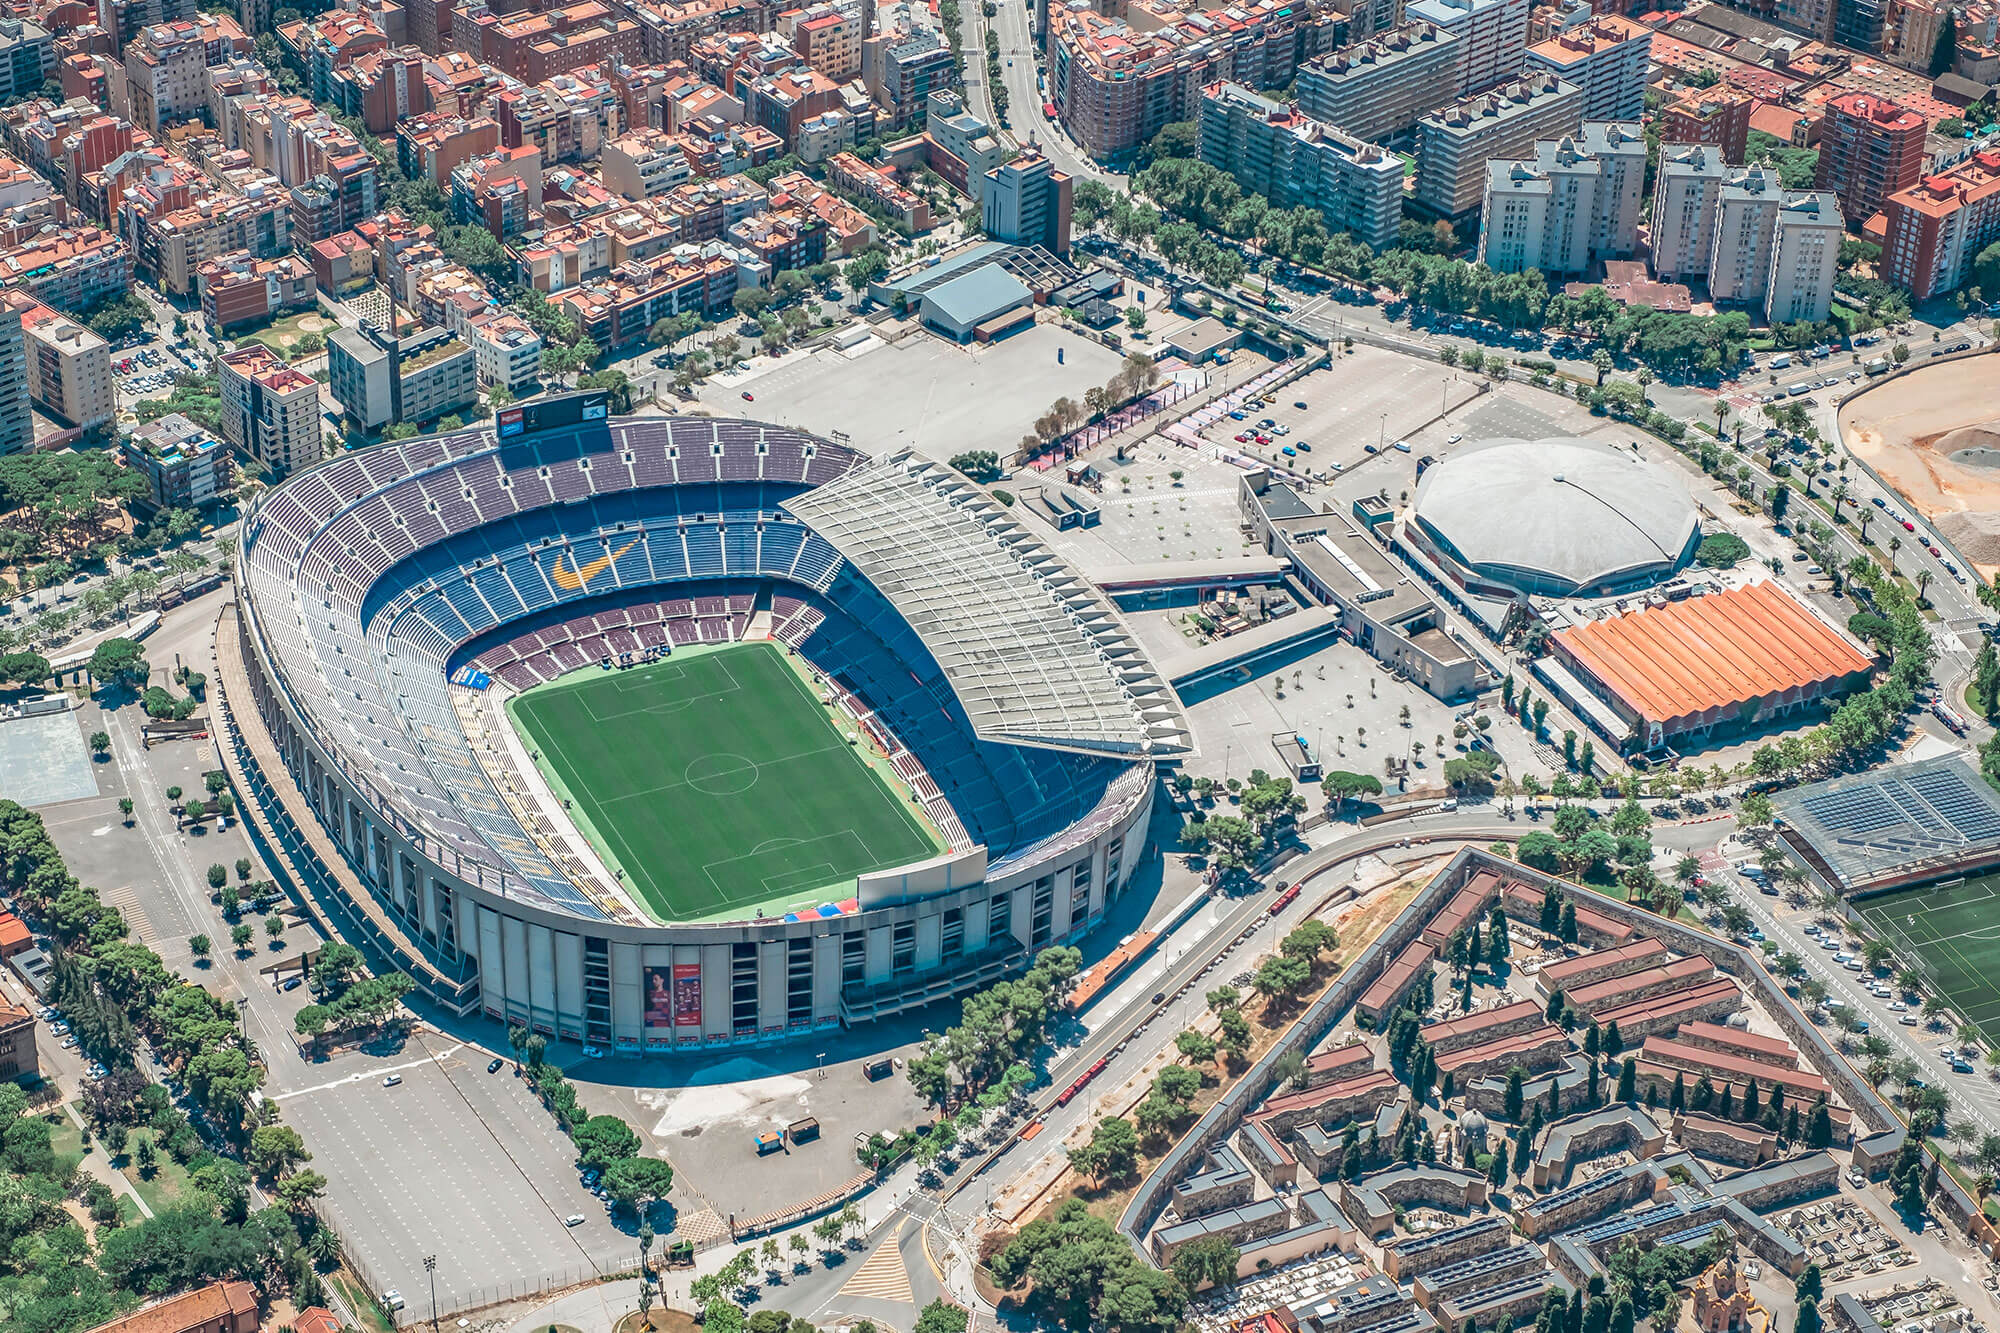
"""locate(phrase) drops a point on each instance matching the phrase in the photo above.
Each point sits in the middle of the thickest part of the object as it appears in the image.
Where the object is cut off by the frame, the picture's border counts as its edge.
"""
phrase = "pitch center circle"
(722, 774)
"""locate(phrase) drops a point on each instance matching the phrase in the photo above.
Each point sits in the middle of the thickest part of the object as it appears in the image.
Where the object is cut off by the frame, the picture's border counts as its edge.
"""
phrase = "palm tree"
(1865, 516)
(1924, 577)
(1839, 496)
(1895, 545)
(1721, 413)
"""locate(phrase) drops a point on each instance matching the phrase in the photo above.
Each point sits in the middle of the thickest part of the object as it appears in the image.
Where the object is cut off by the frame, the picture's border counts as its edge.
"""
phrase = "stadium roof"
(1893, 823)
(1035, 653)
(1733, 647)
(1558, 514)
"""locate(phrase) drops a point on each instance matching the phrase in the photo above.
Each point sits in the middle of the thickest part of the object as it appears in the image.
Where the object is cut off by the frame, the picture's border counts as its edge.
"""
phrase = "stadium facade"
(388, 597)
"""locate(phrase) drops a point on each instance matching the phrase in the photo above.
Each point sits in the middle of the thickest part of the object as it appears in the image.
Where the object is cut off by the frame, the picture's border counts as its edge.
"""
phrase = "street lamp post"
(431, 1267)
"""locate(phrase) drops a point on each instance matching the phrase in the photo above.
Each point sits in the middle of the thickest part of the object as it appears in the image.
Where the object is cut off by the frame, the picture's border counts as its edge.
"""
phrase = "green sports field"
(1953, 931)
(718, 783)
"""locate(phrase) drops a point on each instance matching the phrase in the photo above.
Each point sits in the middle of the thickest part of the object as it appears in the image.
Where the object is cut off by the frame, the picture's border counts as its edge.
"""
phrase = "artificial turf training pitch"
(718, 783)
(1953, 931)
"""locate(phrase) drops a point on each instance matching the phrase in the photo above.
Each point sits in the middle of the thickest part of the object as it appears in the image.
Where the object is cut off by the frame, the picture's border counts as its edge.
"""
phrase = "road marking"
(884, 1277)
(437, 1060)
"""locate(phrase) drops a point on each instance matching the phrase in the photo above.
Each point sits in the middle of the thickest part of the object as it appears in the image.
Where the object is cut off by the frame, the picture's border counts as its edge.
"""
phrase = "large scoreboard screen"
(571, 409)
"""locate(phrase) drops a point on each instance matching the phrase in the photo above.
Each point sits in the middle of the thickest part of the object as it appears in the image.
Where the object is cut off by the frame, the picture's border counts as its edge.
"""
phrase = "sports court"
(718, 783)
(1952, 930)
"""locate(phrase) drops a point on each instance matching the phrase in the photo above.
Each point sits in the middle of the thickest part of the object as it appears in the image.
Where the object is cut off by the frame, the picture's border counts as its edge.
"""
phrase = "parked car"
(392, 1080)
(493, 1065)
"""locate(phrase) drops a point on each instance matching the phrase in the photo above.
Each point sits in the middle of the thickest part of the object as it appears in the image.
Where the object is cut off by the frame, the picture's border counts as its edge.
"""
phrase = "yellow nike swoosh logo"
(577, 577)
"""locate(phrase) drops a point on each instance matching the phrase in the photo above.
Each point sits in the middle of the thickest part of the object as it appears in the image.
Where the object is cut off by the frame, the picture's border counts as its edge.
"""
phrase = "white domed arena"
(1555, 517)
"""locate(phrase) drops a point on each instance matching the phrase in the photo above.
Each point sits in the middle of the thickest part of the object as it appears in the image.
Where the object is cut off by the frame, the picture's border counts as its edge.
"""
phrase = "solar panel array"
(1871, 825)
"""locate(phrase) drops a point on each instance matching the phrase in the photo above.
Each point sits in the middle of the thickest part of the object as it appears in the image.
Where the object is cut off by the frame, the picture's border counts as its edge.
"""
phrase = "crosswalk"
(884, 1277)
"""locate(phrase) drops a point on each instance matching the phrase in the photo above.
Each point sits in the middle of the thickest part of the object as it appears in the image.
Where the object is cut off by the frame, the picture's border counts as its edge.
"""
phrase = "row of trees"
(999, 1027)
(1237, 842)
(111, 989)
(604, 1143)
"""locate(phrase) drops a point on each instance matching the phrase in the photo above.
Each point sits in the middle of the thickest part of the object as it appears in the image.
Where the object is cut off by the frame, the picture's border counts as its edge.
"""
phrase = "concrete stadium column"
(827, 964)
(978, 924)
(881, 951)
(930, 941)
(715, 990)
(771, 985)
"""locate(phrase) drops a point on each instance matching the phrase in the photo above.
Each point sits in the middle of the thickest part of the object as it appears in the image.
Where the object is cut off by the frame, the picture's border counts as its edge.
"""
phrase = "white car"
(392, 1299)
(392, 1080)
(1454, 439)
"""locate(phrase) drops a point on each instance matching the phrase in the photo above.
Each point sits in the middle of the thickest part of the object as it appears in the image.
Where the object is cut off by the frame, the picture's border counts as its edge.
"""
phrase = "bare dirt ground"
(1908, 430)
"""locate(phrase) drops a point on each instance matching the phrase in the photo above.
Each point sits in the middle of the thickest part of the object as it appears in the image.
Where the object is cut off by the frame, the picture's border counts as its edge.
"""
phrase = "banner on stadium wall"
(659, 997)
(687, 995)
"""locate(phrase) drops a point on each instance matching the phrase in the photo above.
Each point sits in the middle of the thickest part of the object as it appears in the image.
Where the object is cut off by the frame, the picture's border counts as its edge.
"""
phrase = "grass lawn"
(1951, 931)
(169, 1180)
(361, 1302)
(282, 335)
(718, 783)
(64, 1136)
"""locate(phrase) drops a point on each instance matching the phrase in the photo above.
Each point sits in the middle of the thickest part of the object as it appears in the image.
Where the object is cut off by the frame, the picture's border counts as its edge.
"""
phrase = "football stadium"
(664, 732)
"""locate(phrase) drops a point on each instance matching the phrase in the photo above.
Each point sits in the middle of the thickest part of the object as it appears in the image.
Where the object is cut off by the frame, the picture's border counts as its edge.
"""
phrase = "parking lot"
(462, 1164)
(937, 397)
(703, 1115)
(147, 369)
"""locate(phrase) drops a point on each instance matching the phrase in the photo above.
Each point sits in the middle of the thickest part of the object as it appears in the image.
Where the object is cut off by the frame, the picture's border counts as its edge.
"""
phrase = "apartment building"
(829, 39)
(1575, 202)
(902, 68)
(381, 88)
(821, 136)
(172, 243)
(1117, 81)
(27, 58)
(1938, 226)
(17, 427)
(533, 47)
(123, 19)
(1455, 144)
(1718, 117)
(1869, 148)
(1493, 37)
(1026, 202)
(1607, 57)
(782, 102)
(1291, 159)
(501, 191)
(1805, 257)
(68, 368)
(644, 164)
(616, 310)
(378, 378)
(1686, 186)
(505, 350)
(240, 288)
(431, 146)
(270, 412)
(166, 74)
(69, 268)
(845, 171)
(1377, 89)
(958, 145)
(569, 116)
(1746, 211)
(330, 43)
(184, 466)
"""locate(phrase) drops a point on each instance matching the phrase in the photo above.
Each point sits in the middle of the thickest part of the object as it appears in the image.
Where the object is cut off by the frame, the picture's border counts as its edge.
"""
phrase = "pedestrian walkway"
(98, 1165)
(883, 1278)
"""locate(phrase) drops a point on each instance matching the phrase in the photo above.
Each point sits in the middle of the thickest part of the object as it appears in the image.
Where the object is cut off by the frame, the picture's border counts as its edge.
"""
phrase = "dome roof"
(1473, 1122)
(1558, 515)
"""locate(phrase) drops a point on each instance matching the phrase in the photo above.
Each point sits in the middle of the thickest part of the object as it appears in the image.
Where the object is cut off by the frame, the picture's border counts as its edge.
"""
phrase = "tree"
(274, 925)
(1198, 1047)
(218, 875)
(604, 1139)
(1340, 787)
(1111, 1153)
(276, 1149)
(1944, 52)
(638, 1182)
(1722, 550)
(199, 945)
(940, 1317)
(120, 662)
(241, 934)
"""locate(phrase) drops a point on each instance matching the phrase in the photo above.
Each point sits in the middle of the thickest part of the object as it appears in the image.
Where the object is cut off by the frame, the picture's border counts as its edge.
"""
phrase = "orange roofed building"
(1682, 669)
(220, 1307)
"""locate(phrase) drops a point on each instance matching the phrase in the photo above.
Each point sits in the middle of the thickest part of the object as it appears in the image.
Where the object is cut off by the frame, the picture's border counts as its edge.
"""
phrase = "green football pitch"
(718, 783)
(1953, 932)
